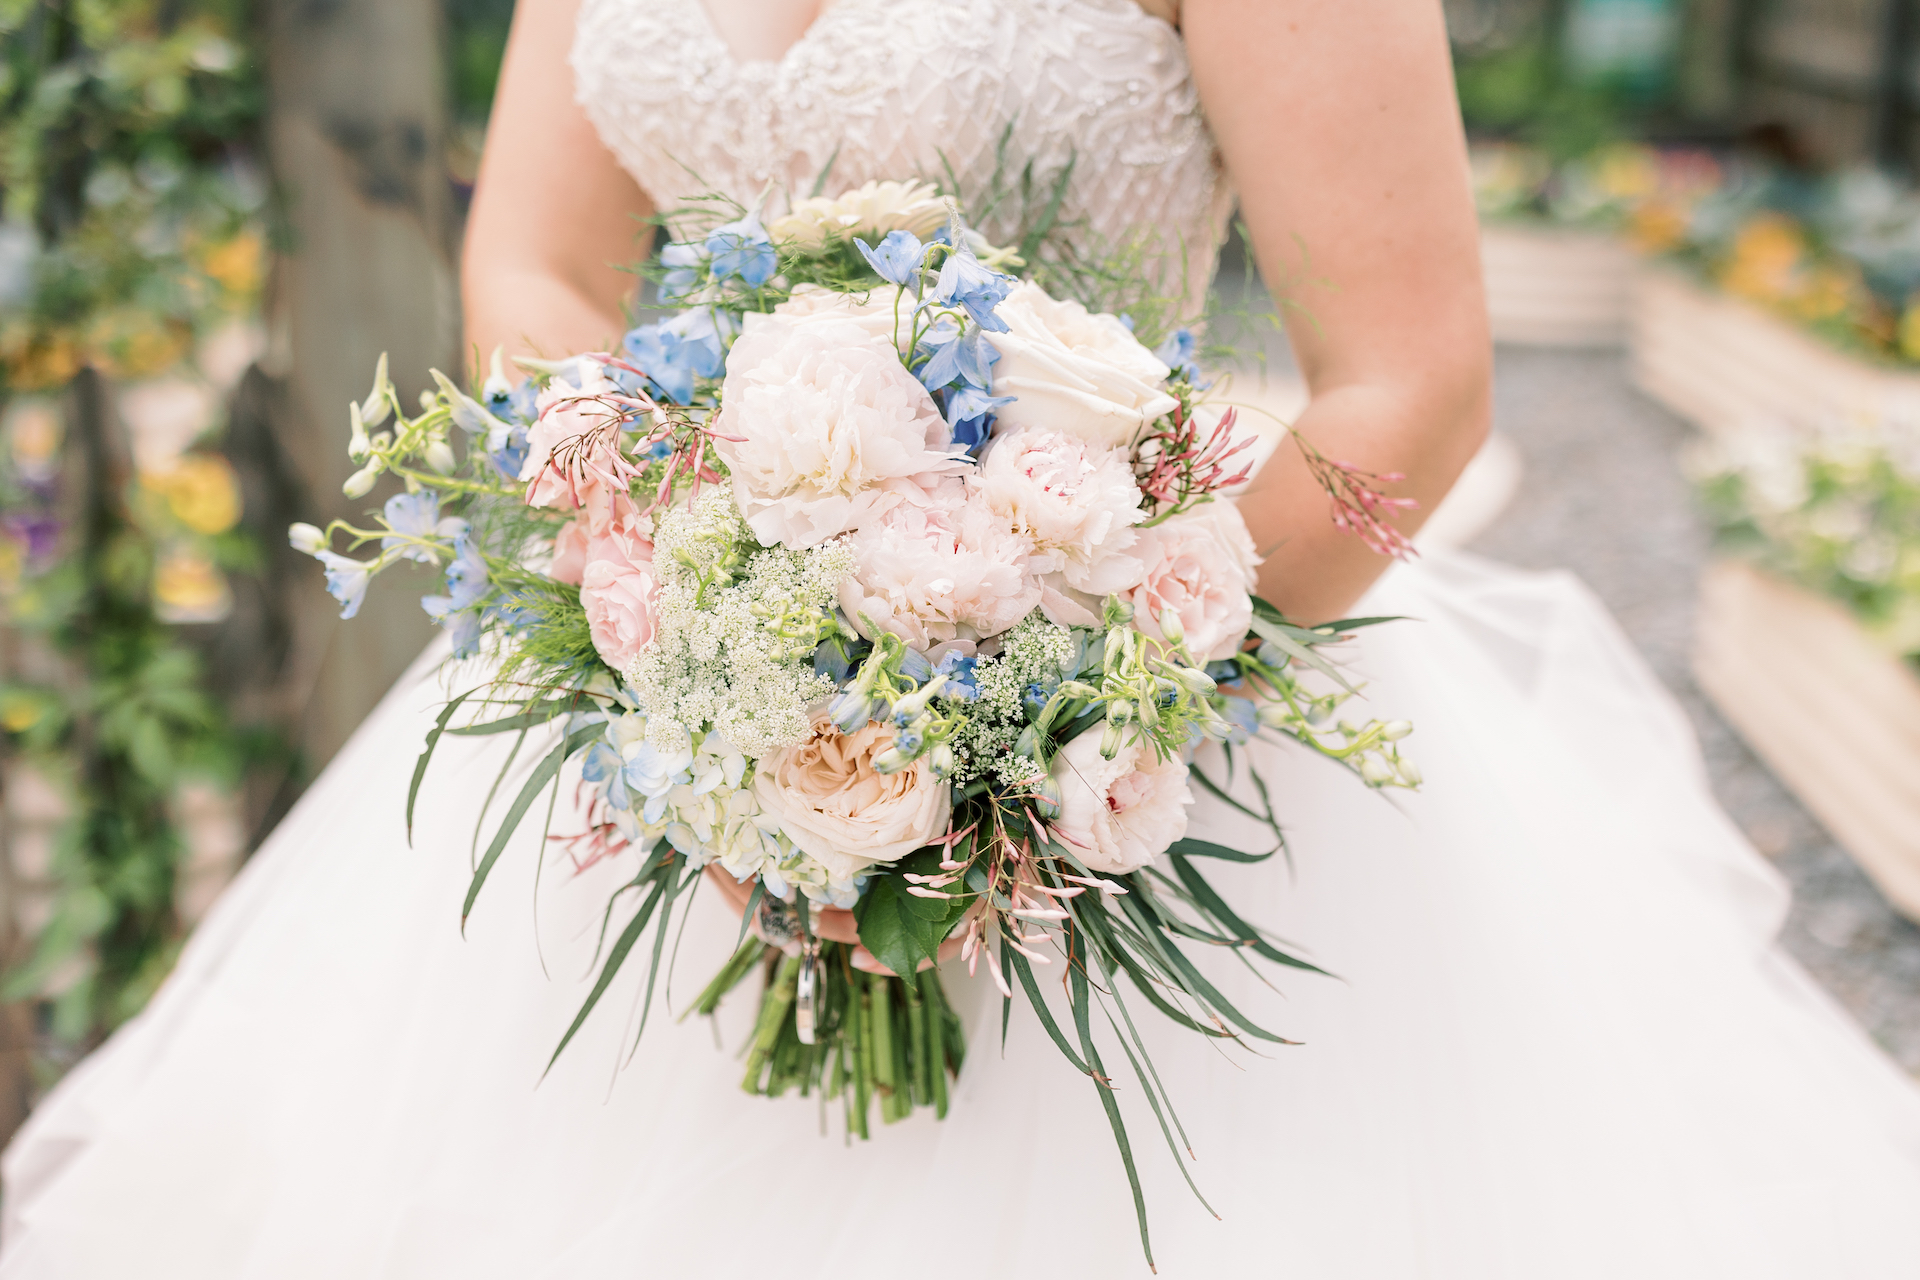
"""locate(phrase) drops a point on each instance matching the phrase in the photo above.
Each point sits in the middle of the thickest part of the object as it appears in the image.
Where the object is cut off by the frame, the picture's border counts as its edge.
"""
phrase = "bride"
(1562, 1043)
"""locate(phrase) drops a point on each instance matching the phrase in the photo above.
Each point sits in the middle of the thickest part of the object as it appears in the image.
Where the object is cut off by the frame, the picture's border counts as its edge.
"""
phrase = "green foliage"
(902, 928)
(1524, 91)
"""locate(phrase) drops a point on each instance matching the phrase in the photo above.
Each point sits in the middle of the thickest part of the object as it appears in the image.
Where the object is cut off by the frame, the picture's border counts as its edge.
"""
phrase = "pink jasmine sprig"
(1178, 470)
(586, 461)
(675, 438)
(1359, 505)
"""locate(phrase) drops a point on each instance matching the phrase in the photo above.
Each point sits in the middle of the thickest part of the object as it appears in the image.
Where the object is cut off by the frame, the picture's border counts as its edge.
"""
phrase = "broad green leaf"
(901, 928)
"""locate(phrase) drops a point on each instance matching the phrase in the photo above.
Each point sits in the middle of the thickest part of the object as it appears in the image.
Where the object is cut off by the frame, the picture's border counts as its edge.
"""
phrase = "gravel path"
(1603, 496)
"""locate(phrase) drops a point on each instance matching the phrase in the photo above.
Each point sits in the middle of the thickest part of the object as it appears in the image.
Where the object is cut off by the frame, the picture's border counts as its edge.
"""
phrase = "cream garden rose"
(824, 429)
(1119, 814)
(1199, 568)
(825, 795)
(1073, 370)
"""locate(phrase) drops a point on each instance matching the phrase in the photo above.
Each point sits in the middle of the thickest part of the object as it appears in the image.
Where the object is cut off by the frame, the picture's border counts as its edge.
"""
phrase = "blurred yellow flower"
(1766, 255)
(1824, 292)
(1628, 171)
(39, 361)
(19, 713)
(238, 264)
(1656, 226)
(33, 435)
(201, 491)
(1909, 331)
(130, 343)
(188, 588)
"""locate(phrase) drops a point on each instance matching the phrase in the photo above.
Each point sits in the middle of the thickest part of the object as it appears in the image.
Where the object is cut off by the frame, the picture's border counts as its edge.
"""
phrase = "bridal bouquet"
(875, 578)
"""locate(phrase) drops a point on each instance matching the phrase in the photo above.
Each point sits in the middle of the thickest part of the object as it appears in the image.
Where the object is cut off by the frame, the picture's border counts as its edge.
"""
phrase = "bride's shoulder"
(1168, 11)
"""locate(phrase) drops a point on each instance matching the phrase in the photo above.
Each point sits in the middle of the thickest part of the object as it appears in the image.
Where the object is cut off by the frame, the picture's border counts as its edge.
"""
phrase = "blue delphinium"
(969, 413)
(1179, 354)
(417, 516)
(741, 248)
(347, 580)
(673, 353)
(467, 582)
(897, 258)
(958, 668)
(971, 285)
(1243, 715)
(960, 370)
(686, 266)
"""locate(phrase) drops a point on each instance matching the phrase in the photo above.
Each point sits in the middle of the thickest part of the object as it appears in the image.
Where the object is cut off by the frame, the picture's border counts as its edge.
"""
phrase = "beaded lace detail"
(903, 88)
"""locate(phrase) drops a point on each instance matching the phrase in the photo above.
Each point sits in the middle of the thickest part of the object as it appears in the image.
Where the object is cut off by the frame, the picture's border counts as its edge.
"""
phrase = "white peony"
(874, 311)
(829, 429)
(1118, 815)
(827, 798)
(868, 211)
(1199, 567)
(949, 569)
(1076, 502)
(1073, 370)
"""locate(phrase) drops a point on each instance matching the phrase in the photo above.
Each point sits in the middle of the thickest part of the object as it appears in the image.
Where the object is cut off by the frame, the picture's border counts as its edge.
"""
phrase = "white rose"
(829, 801)
(1118, 815)
(1199, 567)
(1073, 370)
(946, 569)
(1076, 502)
(829, 429)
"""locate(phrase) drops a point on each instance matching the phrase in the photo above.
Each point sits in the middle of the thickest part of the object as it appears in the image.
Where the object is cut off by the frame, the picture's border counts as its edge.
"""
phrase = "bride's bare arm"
(554, 216)
(1338, 124)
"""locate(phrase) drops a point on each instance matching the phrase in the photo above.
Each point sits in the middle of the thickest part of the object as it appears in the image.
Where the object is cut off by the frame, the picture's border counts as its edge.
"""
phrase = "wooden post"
(357, 130)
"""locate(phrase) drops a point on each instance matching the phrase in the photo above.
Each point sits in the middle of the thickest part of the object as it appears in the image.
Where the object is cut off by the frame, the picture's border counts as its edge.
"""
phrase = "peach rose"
(829, 800)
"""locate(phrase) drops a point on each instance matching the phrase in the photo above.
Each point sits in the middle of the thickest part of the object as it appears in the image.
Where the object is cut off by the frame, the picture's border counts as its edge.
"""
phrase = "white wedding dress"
(1562, 1043)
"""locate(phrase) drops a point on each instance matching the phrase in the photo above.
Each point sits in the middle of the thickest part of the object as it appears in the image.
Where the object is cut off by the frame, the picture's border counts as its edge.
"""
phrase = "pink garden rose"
(1076, 502)
(619, 604)
(945, 569)
(570, 552)
(1199, 567)
(1119, 814)
(824, 430)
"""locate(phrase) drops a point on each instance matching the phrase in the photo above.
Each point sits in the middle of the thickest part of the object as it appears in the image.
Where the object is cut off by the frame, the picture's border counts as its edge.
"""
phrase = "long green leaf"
(1153, 1101)
(615, 958)
(1217, 907)
(1207, 992)
(420, 765)
(538, 714)
(1278, 636)
(1077, 964)
(1024, 971)
(543, 773)
(1190, 848)
(673, 884)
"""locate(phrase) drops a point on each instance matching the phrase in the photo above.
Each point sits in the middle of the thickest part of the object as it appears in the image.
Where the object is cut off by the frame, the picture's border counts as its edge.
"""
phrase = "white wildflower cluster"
(719, 660)
(1034, 654)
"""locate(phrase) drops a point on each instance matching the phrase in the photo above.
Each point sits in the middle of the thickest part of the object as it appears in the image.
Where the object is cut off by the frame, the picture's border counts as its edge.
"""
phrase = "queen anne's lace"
(903, 88)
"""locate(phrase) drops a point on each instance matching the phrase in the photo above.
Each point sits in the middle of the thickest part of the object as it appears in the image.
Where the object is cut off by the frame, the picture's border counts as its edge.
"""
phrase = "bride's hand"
(835, 924)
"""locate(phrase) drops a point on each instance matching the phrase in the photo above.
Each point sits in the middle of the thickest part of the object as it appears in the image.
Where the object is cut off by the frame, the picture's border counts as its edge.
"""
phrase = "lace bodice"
(995, 97)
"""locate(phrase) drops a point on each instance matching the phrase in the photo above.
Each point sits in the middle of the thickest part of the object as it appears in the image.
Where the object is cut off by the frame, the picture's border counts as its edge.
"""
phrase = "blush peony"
(829, 429)
(946, 569)
(1119, 814)
(825, 795)
(1076, 502)
(873, 311)
(1200, 567)
(1073, 370)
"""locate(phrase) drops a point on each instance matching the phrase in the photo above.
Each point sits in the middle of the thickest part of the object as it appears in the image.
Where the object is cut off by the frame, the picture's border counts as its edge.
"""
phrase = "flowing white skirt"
(1561, 1044)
